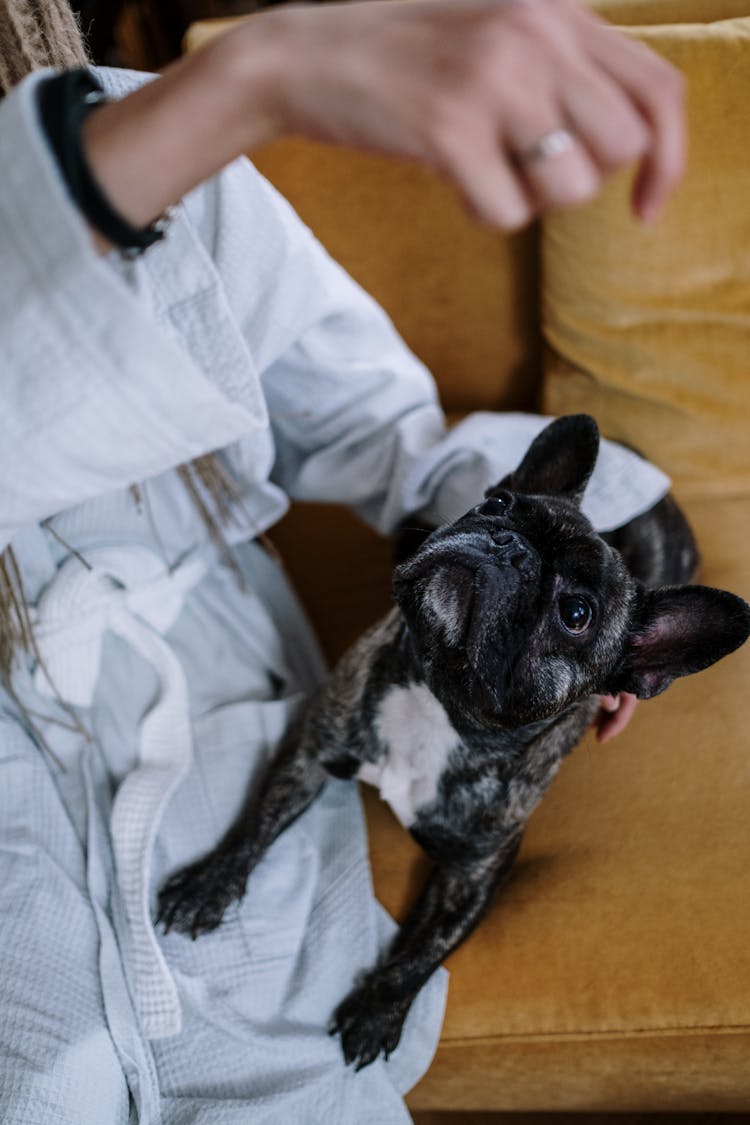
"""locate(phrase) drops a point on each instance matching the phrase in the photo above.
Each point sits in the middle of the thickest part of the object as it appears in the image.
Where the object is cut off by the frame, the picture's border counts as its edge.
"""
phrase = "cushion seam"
(606, 1033)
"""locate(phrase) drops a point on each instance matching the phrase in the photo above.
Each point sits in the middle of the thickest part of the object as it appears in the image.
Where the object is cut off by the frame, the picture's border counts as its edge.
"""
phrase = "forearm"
(150, 148)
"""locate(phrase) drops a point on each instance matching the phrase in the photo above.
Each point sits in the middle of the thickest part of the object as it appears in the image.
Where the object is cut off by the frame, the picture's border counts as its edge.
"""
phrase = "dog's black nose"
(514, 549)
(506, 539)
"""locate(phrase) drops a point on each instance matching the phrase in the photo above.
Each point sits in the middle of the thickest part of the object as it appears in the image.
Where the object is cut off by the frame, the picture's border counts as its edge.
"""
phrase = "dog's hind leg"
(658, 547)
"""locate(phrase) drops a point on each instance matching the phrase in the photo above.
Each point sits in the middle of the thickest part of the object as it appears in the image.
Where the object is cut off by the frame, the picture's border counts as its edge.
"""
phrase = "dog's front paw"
(194, 900)
(368, 1026)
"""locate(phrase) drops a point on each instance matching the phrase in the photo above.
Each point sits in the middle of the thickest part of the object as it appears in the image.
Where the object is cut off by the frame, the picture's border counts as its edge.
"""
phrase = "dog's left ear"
(559, 461)
(680, 630)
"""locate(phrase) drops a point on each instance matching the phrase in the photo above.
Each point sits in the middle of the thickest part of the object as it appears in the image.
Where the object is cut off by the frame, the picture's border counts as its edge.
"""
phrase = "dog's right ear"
(680, 630)
(559, 461)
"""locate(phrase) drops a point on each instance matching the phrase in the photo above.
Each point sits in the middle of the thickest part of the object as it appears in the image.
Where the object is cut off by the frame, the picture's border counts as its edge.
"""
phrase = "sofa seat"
(613, 971)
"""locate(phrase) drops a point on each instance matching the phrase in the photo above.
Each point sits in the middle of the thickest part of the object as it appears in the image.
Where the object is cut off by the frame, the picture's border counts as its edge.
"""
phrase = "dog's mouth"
(479, 600)
(494, 590)
(476, 594)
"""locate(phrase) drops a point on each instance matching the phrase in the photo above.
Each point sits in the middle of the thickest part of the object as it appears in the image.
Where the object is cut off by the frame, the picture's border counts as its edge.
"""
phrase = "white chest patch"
(419, 738)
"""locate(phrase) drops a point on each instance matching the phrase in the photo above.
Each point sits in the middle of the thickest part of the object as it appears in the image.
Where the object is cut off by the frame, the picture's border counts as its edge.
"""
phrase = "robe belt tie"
(129, 591)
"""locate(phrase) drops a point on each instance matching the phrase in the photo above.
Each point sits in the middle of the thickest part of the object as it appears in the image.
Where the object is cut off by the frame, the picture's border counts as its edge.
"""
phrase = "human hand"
(471, 87)
(614, 714)
(477, 89)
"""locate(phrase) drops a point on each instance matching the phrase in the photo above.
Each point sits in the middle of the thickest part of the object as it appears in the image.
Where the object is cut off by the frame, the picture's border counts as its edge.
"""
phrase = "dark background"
(147, 34)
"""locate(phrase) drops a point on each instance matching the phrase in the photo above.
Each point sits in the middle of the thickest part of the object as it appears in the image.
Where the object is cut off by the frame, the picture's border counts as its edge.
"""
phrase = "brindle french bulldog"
(459, 705)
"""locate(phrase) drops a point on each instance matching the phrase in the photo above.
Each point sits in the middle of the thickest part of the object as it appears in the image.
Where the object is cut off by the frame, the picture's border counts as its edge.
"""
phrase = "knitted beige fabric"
(37, 33)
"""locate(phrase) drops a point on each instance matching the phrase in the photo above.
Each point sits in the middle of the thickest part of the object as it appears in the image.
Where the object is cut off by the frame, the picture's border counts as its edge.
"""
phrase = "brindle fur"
(517, 701)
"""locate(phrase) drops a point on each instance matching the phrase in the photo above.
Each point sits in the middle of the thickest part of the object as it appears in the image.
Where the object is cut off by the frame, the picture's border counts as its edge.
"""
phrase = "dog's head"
(519, 608)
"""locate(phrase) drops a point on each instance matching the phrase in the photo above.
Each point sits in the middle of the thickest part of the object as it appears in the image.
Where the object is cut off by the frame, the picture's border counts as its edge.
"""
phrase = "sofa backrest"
(464, 298)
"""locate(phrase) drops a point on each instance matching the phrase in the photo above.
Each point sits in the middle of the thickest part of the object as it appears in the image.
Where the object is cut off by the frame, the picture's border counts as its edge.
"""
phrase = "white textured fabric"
(619, 472)
(129, 591)
(237, 333)
(243, 314)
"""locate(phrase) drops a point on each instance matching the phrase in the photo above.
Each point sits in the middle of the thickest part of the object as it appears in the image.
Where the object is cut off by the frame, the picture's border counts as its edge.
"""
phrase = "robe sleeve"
(94, 393)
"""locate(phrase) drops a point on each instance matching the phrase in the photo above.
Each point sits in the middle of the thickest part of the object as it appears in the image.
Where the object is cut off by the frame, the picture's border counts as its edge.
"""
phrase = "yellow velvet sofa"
(613, 972)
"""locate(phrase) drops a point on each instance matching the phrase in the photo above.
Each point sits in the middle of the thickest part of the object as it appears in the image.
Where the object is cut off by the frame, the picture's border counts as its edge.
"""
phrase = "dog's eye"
(496, 505)
(576, 614)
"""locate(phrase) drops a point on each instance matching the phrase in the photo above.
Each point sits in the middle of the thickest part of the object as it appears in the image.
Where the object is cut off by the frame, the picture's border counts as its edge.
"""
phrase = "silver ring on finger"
(554, 143)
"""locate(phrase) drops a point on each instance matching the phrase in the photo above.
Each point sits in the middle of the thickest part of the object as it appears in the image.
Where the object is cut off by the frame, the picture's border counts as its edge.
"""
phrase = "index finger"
(656, 89)
(612, 723)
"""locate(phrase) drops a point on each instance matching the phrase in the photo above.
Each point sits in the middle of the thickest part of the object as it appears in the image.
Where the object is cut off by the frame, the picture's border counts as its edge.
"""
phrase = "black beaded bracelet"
(64, 102)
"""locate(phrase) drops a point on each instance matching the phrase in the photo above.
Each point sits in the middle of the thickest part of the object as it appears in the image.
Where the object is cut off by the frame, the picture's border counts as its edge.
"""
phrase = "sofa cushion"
(613, 971)
(629, 12)
(649, 327)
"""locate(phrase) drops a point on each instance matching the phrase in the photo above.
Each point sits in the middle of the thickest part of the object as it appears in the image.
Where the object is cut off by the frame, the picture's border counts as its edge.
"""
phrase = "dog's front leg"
(194, 899)
(455, 897)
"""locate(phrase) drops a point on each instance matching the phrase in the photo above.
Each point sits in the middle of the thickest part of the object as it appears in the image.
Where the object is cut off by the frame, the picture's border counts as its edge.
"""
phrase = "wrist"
(280, 64)
(63, 103)
(250, 65)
